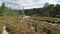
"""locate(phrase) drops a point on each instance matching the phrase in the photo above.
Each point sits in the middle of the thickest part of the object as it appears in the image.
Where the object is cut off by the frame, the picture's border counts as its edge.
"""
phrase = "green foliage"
(2, 8)
(50, 10)
(7, 11)
(47, 10)
(57, 8)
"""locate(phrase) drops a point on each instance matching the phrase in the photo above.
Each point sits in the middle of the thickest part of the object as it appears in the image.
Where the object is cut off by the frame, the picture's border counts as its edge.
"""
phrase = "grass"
(45, 18)
(16, 25)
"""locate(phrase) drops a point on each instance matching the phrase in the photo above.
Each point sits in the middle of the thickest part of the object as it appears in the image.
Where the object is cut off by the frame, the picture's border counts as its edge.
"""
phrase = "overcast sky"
(16, 4)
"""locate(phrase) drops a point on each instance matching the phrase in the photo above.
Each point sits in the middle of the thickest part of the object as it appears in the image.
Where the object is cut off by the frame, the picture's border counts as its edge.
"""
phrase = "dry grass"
(44, 18)
(16, 25)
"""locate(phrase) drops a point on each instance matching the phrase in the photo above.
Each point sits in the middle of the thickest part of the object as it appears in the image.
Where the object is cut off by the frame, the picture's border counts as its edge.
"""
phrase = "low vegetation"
(15, 25)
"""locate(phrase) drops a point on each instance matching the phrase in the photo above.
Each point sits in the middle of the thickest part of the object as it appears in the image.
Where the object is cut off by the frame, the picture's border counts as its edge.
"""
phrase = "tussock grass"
(15, 25)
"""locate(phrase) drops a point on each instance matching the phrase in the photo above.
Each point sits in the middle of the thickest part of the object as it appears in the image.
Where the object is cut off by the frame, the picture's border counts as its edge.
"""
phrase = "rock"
(4, 30)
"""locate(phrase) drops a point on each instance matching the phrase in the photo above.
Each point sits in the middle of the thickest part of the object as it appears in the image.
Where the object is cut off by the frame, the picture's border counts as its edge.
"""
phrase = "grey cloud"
(27, 3)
